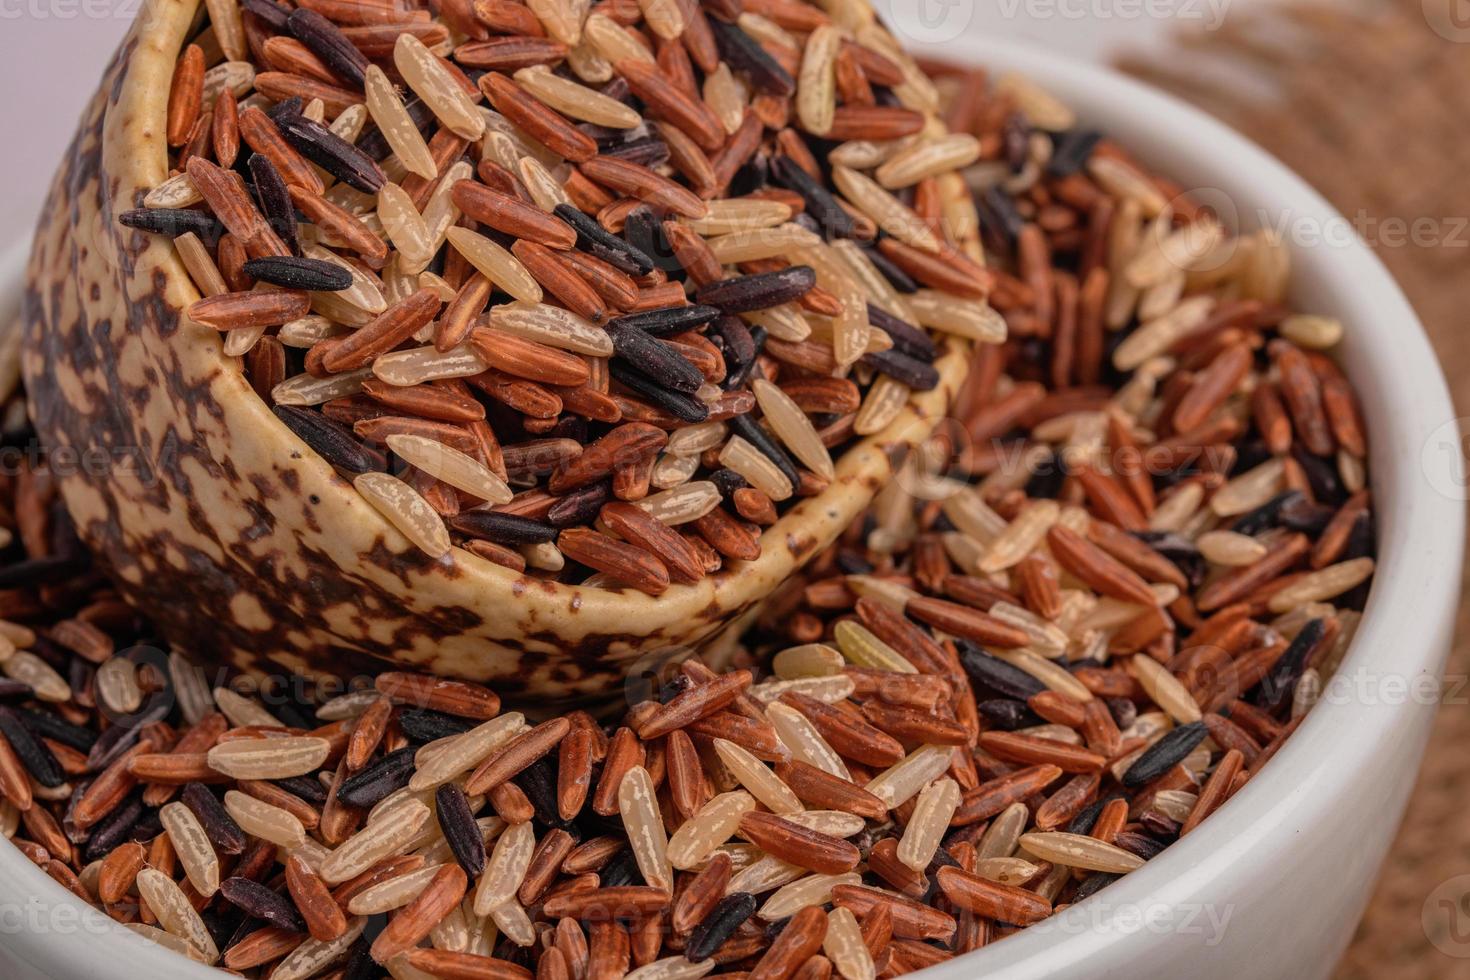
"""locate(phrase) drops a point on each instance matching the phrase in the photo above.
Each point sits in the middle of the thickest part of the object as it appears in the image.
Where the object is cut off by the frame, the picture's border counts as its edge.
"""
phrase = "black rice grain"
(745, 54)
(603, 243)
(330, 440)
(219, 826)
(461, 832)
(1162, 756)
(274, 200)
(670, 320)
(730, 914)
(291, 272)
(326, 40)
(999, 676)
(761, 291)
(332, 153)
(259, 902)
(31, 751)
(677, 404)
(174, 222)
(390, 773)
(507, 529)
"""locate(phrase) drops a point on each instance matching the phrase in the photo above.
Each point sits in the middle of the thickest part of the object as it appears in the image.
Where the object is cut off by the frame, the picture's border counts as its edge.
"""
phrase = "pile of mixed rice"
(1088, 609)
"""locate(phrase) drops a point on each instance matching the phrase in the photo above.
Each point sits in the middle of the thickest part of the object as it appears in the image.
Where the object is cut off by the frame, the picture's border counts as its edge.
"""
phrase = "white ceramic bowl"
(1273, 884)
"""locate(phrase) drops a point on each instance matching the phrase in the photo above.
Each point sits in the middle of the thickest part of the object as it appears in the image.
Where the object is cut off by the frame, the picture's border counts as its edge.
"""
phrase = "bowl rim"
(1415, 591)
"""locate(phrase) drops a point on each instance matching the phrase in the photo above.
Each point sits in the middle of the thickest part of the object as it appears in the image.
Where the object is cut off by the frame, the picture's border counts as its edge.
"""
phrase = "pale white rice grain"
(1006, 870)
(711, 826)
(726, 95)
(308, 331)
(496, 264)
(833, 823)
(314, 956)
(543, 187)
(1249, 490)
(405, 368)
(757, 777)
(644, 825)
(1078, 851)
(764, 875)
(442, 760)
(174, 912)
(761, 243)
(404, 225)
(1230, 548)
(190, 687)
(1045, 638)
(929, 158)
(816, 93)
(260, 819)
(506, 868)
(1057, 678)
(396, 125)
(461, 471)
(434, 84)
(117, 686)
(176, 192)
(192, 845)
(829, 690)
(851, 334)
(898, 784)
(969, 318)
(1021, 536)
(513, 922)
(862, 648)
(1177, 508)
(609, 38)
(1323, 584)
(814, 889)
(807, 660)
(168, 941)
(672, 967)
(887, 211)
(306, 390)
(378, 840)
(881, 405)
(845, 947)
(928, 823)
(757, 468)
(695, 439)
(729, 215)
(1311, 331)
(403, 507)
(227, 19)
(1157, 335)
(553, 326)
(269, 758)
(577, 101)
(28, 668)
(792, 426)
(999, 839)
(804, 742)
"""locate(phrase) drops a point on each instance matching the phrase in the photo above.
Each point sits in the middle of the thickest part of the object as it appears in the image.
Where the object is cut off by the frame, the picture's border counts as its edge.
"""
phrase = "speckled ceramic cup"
(243, 545)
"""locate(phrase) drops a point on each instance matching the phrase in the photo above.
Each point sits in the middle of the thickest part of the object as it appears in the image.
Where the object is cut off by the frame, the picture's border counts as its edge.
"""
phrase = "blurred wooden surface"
(1368, 103)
